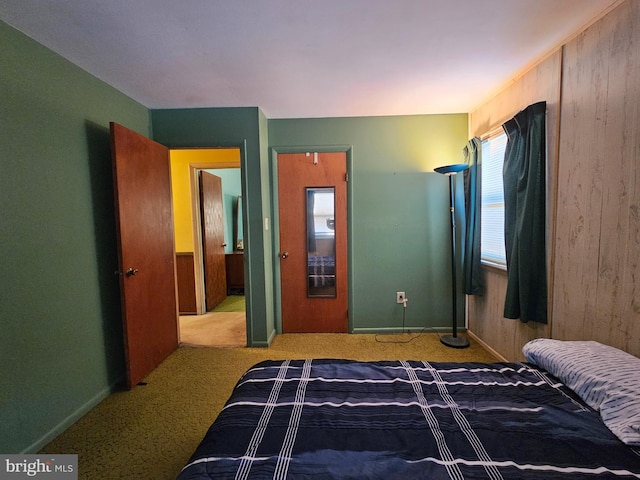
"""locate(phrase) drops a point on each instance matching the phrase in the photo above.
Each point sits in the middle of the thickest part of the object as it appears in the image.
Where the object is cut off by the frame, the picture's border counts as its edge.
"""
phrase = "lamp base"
(454, 342)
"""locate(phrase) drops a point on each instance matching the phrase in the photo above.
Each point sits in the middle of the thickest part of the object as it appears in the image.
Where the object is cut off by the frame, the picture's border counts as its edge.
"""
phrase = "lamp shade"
(448, 169)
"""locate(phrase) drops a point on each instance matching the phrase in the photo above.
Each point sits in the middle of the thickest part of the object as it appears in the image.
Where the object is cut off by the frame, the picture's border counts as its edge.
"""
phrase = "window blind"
(492, 217)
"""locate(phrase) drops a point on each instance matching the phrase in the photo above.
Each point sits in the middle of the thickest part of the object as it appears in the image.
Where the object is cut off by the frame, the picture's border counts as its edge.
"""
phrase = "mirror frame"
(323, 284)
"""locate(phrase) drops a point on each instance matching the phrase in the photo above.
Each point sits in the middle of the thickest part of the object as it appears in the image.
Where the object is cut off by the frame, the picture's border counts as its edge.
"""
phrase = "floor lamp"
(453, 340)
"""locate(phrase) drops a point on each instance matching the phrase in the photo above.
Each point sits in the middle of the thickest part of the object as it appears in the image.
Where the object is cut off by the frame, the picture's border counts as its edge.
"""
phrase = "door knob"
(284, 255)
(224, 244)
(131, 272)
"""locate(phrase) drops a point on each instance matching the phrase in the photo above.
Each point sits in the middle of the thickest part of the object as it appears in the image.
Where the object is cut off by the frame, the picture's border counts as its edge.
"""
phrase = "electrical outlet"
(400, 296)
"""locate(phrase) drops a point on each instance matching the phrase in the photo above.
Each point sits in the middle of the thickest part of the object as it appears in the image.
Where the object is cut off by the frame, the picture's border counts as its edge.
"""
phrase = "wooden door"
(215, 277)
(296, 173)
(144, 218)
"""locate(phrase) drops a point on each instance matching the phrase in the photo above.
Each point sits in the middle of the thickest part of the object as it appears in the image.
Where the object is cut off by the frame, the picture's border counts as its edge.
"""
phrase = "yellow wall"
(181, 185)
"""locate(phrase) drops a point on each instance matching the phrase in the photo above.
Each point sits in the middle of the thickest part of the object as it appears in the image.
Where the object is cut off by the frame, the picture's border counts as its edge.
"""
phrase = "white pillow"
(606, 378)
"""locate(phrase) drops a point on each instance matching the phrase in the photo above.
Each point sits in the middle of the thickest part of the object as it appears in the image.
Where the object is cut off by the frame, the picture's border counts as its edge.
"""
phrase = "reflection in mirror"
(239, 238)
(321, 242)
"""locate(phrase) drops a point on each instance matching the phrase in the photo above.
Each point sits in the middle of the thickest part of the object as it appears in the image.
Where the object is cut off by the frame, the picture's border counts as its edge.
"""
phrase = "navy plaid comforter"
(322, 271)
(407, 420)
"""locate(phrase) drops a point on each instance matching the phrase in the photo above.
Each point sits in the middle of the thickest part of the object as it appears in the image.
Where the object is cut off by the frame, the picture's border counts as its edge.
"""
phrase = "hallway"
(225, 326)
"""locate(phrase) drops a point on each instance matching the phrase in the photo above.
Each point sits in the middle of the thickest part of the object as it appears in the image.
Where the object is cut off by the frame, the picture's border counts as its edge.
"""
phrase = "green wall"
(61, 342)
(245, 128)
(399, 218)
(399, 236)
(61, 347)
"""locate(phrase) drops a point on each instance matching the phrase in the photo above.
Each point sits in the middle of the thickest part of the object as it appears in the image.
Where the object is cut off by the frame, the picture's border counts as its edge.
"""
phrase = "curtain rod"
(492, 133)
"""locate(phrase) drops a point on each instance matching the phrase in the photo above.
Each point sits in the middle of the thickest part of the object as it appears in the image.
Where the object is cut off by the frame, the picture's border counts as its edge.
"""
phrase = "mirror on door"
(321, 242)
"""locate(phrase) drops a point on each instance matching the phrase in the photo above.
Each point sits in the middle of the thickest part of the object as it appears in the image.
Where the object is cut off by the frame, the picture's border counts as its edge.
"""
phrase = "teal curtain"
(524, 211)
(472, 268)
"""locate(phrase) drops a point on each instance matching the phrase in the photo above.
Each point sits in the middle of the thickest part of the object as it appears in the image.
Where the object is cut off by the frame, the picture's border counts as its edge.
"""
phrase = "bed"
(321, 271)
(327, 418)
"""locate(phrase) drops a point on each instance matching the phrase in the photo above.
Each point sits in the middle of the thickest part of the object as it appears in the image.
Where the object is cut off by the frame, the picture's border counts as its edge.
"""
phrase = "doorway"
(224, 324)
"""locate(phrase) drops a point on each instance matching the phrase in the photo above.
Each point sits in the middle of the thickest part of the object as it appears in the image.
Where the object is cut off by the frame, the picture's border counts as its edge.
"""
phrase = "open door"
(144, 222)
(213, 246)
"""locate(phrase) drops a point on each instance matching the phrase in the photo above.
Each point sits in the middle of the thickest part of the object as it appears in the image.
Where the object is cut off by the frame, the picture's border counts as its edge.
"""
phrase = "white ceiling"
(304, 58)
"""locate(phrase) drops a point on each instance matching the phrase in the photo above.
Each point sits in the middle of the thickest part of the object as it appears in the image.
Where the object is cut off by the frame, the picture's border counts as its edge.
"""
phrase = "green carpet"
(151, 431)
(233, 303)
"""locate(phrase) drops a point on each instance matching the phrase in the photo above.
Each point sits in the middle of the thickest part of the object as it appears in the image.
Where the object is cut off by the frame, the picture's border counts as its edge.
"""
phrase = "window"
(492, 223)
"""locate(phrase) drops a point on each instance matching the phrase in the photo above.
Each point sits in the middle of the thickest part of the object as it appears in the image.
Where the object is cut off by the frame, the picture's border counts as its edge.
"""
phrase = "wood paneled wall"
(185, 278)
(597, 274)
(485, 314)
(592, 89)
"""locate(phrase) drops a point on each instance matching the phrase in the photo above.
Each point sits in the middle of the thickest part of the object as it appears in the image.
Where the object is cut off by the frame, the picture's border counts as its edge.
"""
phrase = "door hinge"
(346, 177)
